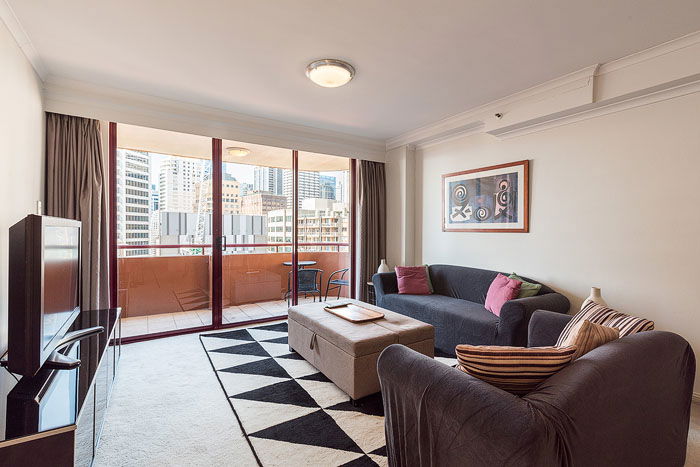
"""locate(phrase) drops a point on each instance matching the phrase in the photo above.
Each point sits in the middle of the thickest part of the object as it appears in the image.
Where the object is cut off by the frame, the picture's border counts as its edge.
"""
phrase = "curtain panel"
(371, 230)
(76, 189)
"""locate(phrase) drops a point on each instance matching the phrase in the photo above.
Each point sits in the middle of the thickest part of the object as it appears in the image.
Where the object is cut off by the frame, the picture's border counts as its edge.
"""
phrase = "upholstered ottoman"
(347, 352)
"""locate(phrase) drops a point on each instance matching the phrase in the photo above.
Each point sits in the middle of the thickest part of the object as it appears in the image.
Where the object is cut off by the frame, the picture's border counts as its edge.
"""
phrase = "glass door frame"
(217, 245)
(217, 282)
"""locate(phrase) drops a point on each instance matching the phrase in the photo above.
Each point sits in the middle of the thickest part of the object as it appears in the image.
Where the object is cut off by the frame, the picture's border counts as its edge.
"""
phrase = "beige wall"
(614, 203)
(21, 151)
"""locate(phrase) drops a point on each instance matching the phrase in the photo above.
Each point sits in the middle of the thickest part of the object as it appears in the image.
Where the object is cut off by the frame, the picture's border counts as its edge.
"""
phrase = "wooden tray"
(354, 313)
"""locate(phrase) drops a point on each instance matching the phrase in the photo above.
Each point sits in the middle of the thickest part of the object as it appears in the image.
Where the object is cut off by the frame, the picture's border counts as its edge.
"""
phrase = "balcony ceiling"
(185, 145)
(417, 61)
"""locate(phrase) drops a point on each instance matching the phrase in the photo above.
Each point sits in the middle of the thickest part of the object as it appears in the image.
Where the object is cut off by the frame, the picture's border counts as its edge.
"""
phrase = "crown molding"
(661, 92)
(476, 119)
(569, 92)
(112, 104)
(671, 46)
(20, 35)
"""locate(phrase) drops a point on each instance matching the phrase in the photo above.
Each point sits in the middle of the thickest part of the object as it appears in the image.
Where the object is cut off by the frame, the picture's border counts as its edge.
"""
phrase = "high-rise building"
(327, 186)
(320, 221)
(230, 195)
(153, 222)
(246, 188)
(268, 179)
(261, 203)
(309, 186)
(177, 181)
(133, 200)
(155, 198)
(341, 185)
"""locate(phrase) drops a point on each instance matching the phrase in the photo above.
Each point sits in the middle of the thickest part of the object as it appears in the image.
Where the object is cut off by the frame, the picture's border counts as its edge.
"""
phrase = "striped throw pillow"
(599, 314)
(517, 370)
(591, 335)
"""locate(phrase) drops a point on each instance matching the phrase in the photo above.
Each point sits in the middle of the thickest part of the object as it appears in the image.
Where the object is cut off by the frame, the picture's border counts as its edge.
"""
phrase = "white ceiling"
(417, 61)
(186, 145)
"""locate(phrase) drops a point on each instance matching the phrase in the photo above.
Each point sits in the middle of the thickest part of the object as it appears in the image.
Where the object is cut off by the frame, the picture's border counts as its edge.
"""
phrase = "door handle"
(223, 243)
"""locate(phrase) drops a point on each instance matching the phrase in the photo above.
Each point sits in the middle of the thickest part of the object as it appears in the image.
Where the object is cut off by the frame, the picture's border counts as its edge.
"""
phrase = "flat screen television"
(44, 289)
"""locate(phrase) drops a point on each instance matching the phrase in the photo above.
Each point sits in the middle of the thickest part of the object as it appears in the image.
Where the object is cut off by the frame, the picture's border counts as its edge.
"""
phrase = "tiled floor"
(140, 325)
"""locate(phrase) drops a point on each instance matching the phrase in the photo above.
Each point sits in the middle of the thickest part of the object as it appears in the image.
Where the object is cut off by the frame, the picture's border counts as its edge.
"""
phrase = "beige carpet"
(167, 409)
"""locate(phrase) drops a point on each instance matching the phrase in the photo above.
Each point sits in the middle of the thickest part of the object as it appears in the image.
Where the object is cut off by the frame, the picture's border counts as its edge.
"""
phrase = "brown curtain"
(371, 191)
(76, 189)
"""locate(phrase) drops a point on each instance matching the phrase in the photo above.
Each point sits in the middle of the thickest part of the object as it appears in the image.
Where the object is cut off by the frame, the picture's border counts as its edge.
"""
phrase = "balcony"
(168, 293)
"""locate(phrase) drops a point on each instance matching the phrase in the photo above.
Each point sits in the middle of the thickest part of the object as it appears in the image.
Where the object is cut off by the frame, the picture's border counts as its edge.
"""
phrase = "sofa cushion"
(527, 289)
(461, 282)
(455, 320)
(412, 280)
(517, 370)
(592, 335)
(500, 291)
(470, 284)
(599, 314)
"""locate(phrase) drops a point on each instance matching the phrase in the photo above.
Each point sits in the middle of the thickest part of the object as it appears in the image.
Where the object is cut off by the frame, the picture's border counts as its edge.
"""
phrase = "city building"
(261, 203)
(230, 195)
(246, 188)
(341, 187)
(180, 228)
(327, 185)
(309, 186)
(268, 179)
(133, 200)
(155, 197)
(320, 220)
(177, 181)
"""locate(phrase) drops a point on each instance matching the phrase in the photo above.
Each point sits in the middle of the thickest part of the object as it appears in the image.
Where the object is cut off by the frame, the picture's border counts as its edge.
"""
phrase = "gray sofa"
(456, 309)
(624, 403)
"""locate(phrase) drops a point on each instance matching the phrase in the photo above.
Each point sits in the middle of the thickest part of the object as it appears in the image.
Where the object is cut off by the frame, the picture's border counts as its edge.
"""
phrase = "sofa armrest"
(545, 327)
(384, 283)
(515, 316)
(626, 402)
(438, 415)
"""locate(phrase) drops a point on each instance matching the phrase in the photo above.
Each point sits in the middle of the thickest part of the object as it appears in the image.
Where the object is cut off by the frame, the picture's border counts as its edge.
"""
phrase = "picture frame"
(487, 199)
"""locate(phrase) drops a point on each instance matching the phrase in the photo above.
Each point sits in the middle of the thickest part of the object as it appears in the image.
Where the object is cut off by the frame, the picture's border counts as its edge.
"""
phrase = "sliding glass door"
(213, 233)
(164, 229)
(323, 227)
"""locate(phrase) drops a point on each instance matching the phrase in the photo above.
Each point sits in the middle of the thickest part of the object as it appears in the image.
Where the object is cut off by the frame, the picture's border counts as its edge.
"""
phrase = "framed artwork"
(489, 199)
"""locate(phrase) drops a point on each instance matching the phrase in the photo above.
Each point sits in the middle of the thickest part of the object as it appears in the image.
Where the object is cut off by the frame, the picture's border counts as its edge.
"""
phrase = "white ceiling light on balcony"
(237, 152)
(330, 72)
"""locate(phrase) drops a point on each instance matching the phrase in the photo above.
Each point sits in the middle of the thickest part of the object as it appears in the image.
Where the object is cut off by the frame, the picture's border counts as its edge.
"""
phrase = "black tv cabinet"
(55, 418)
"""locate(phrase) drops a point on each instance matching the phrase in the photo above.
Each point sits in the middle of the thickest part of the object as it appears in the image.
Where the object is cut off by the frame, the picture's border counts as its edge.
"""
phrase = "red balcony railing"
(230, 245)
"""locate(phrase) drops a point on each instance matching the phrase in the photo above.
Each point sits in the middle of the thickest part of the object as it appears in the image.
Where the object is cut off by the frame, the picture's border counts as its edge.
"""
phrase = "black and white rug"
(289, 411)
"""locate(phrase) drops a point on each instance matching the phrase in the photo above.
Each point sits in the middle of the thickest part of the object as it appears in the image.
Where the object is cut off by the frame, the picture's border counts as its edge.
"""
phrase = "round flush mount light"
(237, 152)
(330, 72)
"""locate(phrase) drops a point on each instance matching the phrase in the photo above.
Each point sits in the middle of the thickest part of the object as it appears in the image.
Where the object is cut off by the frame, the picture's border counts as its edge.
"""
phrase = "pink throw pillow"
(501, 290)
(412, 280)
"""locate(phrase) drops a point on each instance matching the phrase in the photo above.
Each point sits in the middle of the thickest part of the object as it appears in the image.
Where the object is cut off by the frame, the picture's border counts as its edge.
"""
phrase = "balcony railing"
(151, 285)
(204, 246)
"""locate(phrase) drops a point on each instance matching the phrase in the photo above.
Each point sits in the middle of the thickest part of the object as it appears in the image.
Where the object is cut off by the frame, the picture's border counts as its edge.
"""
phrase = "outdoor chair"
(338, 282)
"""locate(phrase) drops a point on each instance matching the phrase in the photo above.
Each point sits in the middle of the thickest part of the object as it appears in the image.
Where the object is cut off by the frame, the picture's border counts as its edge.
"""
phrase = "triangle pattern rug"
(290, 412)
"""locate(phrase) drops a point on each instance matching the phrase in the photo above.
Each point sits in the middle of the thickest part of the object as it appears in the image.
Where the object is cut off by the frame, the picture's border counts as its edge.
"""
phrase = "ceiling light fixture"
(330, 72)
(238, 152)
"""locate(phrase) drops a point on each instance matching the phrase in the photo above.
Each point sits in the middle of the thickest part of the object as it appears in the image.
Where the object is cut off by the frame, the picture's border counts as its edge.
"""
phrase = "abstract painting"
(489, 199)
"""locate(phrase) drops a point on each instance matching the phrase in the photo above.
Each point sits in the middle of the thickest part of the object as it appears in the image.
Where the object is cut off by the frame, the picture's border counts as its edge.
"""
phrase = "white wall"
(21, 151)
(614, 203)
